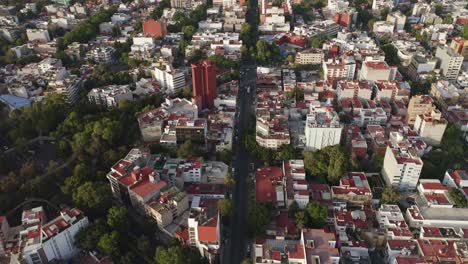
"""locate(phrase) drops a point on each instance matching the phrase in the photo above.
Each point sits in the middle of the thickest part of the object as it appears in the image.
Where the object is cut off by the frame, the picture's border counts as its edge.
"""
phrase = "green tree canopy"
(316, 214)
(390, 196)
(458, 198)
(258, 218)
(93, 195)
(330, 162)
(117, 218)
(171, 255)
(109, 243)
(225, 206)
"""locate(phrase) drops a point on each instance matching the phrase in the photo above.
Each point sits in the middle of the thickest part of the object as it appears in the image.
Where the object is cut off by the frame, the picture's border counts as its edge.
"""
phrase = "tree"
(465, 31)
(88, 237)
(93, 195)
(229, 180)
(458, 198)
(9, 183)
(171, 255)
(225, 206)
(330, 162)
(258, 218)
(109, 243)
(246, 34)
(117, 218)
(390, 196)
(188, 31)
(370, 24)
(293, 209)
(186, 150)
(316, 214)
(300, 220)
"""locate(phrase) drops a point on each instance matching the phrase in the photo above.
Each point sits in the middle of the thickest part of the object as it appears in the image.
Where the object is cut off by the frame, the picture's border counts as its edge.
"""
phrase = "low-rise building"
(353, 189)
(377, 71)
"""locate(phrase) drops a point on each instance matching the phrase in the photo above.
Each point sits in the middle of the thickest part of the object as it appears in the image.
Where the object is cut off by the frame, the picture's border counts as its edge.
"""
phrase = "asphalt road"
(236, 245)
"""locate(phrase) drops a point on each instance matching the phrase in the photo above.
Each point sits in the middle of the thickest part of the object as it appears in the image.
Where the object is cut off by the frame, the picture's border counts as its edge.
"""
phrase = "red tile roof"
(208, 231)
(266, 180)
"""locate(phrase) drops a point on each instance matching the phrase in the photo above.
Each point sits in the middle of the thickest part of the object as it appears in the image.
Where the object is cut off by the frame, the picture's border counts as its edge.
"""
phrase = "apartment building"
(272, 132)
(38, 241)
(342, 68)
(110, 96)
(402, 168)
(101, 55)
(431, 127)
(398, 19)
(391, 91)
(354, 89)
(191, 129)
(204, 227)
(153, 122)
(377, 71)
(310, 56)
(450, 62)
(460, 45)
(172, 80)
(171, 204)
(419, 105)
(41, 35)
(323, 127)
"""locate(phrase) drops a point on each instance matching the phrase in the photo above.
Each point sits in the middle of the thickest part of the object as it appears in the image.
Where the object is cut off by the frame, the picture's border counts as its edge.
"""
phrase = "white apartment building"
(44, 242)
(101, 54)
(354, 89)
(389, 216)
(143, 47)
(383, 27)
(110, 96)
(398, 20)
(342, 68)
(372, 116)
(337, 5)
(41, 35)
(402, 168)
(204, 227)
(172, 80)
(323, 127)
(379, 5)
(431, 127)
(377, 71)
(450, 62)
(310, 56)
(272, 132)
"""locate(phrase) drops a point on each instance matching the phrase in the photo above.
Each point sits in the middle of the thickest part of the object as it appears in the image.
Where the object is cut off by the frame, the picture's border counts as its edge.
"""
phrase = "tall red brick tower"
(204, 83)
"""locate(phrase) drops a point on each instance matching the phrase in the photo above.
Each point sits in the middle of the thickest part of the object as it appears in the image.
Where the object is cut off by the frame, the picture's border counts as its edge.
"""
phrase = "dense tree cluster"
(330, 163)
(258, 218)
(284, 152)
(267, 53)
(450, 154)
(458, 198)
(88, 29)
(390, 196)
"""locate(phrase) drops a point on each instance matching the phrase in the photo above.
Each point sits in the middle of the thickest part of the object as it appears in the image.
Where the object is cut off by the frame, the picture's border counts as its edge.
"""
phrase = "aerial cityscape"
(234, 131)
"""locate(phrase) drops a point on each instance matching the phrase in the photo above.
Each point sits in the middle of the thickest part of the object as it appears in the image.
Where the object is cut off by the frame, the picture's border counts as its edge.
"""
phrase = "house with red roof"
(269, 186)
(401, 248)
(353, 188)
(204, 224)
(434, 193)
(296, 185)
